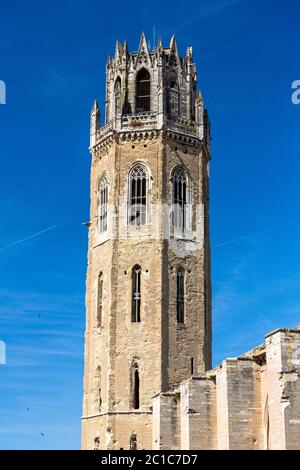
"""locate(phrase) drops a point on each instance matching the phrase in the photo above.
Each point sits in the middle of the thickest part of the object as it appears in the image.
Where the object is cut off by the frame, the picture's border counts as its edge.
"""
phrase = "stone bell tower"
(148, 291)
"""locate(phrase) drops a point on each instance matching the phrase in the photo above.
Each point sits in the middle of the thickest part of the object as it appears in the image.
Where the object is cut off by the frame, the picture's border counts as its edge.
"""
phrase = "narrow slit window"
(118, 97)
(99, 299)
(136, 294)
(97, 443)
(136, 388)
(133, 442)
(98, 400)
(180, 296)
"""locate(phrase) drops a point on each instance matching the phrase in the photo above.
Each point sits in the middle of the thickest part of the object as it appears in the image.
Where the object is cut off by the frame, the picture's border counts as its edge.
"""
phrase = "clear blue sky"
(52, 58)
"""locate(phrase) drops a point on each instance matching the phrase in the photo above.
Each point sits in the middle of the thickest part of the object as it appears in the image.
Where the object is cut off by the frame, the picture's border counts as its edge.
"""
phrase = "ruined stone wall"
(283, 359)
(239, 415)
(247, 403)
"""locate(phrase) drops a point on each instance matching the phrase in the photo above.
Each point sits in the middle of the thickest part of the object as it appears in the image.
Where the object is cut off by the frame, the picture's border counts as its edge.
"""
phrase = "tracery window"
(138, 195)
(180, 198)
(102, 205)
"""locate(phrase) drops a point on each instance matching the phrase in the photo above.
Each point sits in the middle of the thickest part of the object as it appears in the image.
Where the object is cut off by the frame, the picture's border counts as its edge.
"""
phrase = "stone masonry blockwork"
(159, 351)
(148, 382)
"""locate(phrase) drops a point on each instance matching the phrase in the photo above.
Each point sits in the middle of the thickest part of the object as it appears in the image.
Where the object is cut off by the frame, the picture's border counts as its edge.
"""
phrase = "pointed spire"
(199, 99)
(95, 123)
(159, 44)
(125, 53)
(118, 50)
(95, 108)
(143, 52)
(174, 52)
(143, 42)
(173, 45)
(108, 61)
(189, 54)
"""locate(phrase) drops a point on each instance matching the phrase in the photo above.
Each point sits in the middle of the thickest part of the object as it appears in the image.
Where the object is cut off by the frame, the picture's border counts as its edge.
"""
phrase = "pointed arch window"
(180, 196)
(180, 295)
(136, 294)
(133, 442)
(97, 443)
(143, 91)
(102, 205)
(136, 388)
(138, 196)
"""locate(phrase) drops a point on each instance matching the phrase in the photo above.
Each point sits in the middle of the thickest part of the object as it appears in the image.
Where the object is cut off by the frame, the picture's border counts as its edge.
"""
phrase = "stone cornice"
(102, 146)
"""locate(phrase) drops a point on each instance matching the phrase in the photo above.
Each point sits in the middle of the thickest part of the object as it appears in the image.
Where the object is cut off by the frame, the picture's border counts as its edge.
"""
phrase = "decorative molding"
(183, 138)
(102, 147)
(133, 135)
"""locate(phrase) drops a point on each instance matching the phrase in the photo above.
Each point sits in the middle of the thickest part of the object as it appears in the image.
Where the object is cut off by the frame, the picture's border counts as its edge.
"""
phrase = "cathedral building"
(148, 381)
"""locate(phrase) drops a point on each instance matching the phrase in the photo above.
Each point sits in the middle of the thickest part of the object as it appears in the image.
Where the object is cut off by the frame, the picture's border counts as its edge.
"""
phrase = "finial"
(189, 52)
(143, 41)
(95, 108)
(173, 45)
(199, 97)
(118, 49)
(95, 123)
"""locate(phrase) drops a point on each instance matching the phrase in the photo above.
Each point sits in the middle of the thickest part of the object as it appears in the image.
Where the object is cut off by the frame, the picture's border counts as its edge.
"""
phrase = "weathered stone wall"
(162, 348)
(166, 421)
(190, 341)
(250, 402)
(198, 414)
(166, 352)
(243, 410)
(283, 372)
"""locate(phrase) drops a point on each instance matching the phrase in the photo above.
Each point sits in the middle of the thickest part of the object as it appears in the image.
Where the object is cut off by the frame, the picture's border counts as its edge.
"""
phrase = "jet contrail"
(215, 9)
(253, 234)
(33, 235)
(6, 43)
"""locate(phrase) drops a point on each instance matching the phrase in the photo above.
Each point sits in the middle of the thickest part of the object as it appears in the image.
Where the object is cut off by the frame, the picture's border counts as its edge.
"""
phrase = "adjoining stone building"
(249, 402)
(148, 290)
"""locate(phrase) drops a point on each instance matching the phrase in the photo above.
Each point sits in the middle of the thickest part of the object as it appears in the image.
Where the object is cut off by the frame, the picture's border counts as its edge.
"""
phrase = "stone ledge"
(113, 413)
(283, 330)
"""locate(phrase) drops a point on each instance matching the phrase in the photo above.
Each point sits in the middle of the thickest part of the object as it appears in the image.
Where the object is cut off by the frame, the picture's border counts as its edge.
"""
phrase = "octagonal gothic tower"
(148, 288)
